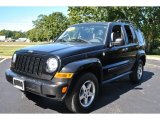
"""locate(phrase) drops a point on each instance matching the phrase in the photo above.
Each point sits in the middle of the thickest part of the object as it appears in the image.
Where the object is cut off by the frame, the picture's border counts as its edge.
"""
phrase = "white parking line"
(3, 60)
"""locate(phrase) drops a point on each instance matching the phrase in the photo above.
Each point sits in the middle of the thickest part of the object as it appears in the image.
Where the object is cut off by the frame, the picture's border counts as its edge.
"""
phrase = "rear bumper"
(41, 87)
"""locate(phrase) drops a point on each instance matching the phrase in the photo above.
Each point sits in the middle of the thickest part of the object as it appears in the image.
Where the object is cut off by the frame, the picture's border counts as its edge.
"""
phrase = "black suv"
(83, 58)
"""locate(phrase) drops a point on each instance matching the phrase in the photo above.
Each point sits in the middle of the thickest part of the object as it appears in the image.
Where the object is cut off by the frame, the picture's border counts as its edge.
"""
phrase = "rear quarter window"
(140, 36)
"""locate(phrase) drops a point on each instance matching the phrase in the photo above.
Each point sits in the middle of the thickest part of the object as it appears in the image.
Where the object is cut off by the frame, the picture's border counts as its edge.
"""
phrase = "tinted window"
(140, 36)
(133, 33)
(117, 33)
(88, 33)
(130, 34)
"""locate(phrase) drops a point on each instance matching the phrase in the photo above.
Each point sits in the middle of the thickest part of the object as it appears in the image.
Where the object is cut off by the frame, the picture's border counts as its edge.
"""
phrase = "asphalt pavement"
(118, 97)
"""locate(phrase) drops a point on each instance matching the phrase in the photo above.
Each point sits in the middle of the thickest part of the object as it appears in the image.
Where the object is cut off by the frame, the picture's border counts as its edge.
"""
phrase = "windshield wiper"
(79, 40)
(60, 40)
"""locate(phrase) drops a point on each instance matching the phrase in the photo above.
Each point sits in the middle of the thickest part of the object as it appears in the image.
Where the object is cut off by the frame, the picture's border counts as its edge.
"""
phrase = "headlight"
(52, 65)
(14, 58)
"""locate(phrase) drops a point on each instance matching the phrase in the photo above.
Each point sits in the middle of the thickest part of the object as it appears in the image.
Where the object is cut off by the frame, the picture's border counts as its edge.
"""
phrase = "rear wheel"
(84, 94)
(137, 74)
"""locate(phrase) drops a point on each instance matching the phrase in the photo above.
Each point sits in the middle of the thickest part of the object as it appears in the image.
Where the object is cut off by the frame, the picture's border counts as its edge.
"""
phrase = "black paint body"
(105, 61)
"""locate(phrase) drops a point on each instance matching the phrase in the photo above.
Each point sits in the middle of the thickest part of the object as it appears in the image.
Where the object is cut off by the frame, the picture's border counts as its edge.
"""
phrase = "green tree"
(145, 18)
(151, 26)
(48, 27)
(12, 34)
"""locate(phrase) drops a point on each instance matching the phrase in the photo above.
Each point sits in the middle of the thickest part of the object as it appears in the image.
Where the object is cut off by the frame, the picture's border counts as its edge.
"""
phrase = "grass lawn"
(21, 43)
(156, 56)
(8, 48)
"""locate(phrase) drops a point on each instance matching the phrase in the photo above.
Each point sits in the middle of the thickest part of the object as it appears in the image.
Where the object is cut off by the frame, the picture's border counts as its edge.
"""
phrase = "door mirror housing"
(118, 42)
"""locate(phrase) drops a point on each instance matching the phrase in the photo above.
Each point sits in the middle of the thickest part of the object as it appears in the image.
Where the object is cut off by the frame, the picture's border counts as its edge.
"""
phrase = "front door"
(116, 58)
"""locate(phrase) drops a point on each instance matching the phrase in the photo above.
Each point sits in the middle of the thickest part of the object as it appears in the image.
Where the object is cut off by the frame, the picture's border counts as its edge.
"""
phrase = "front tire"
(136, 76)
(84, 94)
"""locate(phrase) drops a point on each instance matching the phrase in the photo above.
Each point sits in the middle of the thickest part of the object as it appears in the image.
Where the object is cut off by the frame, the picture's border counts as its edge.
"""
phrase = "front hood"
(64, 49)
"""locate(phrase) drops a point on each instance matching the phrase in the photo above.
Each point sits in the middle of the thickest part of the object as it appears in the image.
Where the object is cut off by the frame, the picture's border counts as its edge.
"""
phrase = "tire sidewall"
(81, 81)
(139, 62)
(134, 77)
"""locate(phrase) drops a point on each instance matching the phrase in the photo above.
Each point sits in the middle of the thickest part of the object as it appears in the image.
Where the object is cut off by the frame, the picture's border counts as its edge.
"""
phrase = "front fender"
(76, 66)
(86, 65)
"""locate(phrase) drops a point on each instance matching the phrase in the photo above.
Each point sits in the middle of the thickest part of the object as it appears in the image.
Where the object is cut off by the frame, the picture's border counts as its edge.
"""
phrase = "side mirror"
(118, 42)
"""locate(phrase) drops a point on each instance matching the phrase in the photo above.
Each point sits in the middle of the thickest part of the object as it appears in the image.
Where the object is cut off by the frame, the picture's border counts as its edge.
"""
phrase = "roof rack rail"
(126, 21)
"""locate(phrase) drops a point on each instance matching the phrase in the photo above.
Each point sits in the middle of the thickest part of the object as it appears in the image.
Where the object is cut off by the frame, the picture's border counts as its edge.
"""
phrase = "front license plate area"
(18, 83)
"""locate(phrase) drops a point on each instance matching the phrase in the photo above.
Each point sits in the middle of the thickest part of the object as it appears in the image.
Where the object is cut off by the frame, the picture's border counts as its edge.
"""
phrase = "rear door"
(132, 44)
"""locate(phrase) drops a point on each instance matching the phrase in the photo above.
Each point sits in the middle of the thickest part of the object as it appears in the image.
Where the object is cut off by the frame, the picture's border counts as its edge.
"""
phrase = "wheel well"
(143, 58)
(95, 70)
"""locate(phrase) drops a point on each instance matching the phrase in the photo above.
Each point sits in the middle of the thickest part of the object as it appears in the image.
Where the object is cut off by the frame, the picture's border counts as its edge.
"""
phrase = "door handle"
(137, 47)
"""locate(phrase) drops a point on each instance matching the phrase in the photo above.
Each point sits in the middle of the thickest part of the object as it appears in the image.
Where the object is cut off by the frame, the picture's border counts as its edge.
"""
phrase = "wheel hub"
(87, 93)
(139, 71)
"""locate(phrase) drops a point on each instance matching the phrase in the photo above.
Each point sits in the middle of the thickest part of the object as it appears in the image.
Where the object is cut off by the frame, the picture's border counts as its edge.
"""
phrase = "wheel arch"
(91, 65)
(141, 55)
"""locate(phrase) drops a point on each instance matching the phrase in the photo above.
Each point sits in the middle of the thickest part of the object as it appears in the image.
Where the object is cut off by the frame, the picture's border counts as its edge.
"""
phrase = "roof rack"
(126, 21)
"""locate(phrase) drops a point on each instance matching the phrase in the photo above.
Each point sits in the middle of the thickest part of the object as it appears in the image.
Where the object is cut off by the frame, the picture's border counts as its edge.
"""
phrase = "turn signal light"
(64, 89)
(63, 75)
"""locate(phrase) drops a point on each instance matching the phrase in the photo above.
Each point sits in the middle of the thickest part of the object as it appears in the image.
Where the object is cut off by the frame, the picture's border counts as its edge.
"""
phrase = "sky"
(20, 18)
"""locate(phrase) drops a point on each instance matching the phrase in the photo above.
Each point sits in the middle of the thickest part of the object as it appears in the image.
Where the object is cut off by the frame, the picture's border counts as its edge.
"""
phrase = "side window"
(130, 34)
(140, 36)
(134, 34)
(117, 34)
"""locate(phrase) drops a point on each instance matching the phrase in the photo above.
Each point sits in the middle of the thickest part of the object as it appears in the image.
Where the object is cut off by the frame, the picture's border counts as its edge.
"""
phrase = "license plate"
(18, 83)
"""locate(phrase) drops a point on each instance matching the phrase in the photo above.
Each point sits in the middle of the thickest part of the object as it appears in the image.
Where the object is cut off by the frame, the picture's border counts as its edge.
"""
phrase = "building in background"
(2, 38)
(22, 40)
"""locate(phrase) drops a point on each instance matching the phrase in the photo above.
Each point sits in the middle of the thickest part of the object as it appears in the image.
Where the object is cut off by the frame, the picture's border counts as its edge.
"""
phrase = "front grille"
(28, 64)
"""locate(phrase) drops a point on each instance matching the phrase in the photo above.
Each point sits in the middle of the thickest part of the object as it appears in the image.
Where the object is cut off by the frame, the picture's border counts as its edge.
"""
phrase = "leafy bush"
(155, 51)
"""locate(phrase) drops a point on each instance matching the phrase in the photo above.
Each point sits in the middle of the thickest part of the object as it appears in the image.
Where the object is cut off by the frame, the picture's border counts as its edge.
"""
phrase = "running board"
(115, 78)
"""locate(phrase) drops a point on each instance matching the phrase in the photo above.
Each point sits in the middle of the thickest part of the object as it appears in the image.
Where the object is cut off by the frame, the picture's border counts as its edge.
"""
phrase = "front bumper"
(41, 87)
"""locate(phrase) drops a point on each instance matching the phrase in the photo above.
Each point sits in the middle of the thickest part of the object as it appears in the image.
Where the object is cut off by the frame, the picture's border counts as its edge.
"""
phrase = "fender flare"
(80, 66)
(76, 66)
(141, 53)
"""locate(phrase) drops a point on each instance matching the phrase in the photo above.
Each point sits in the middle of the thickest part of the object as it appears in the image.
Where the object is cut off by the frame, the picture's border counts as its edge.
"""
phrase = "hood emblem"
(30, 51)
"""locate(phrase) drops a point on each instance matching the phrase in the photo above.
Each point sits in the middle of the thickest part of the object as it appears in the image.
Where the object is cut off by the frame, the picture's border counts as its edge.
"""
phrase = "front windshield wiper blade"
(60, 40)
(79, 40)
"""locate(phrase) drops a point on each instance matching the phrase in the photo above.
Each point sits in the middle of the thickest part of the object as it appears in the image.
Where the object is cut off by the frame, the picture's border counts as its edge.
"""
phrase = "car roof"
(92, 23)
(101, 23)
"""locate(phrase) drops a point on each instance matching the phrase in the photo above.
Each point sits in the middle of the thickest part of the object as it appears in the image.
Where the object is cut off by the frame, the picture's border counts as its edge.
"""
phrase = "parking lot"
(118, 97)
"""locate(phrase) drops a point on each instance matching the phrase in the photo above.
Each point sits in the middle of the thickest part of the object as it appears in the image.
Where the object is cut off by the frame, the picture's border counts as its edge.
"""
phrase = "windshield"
(84, 33)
